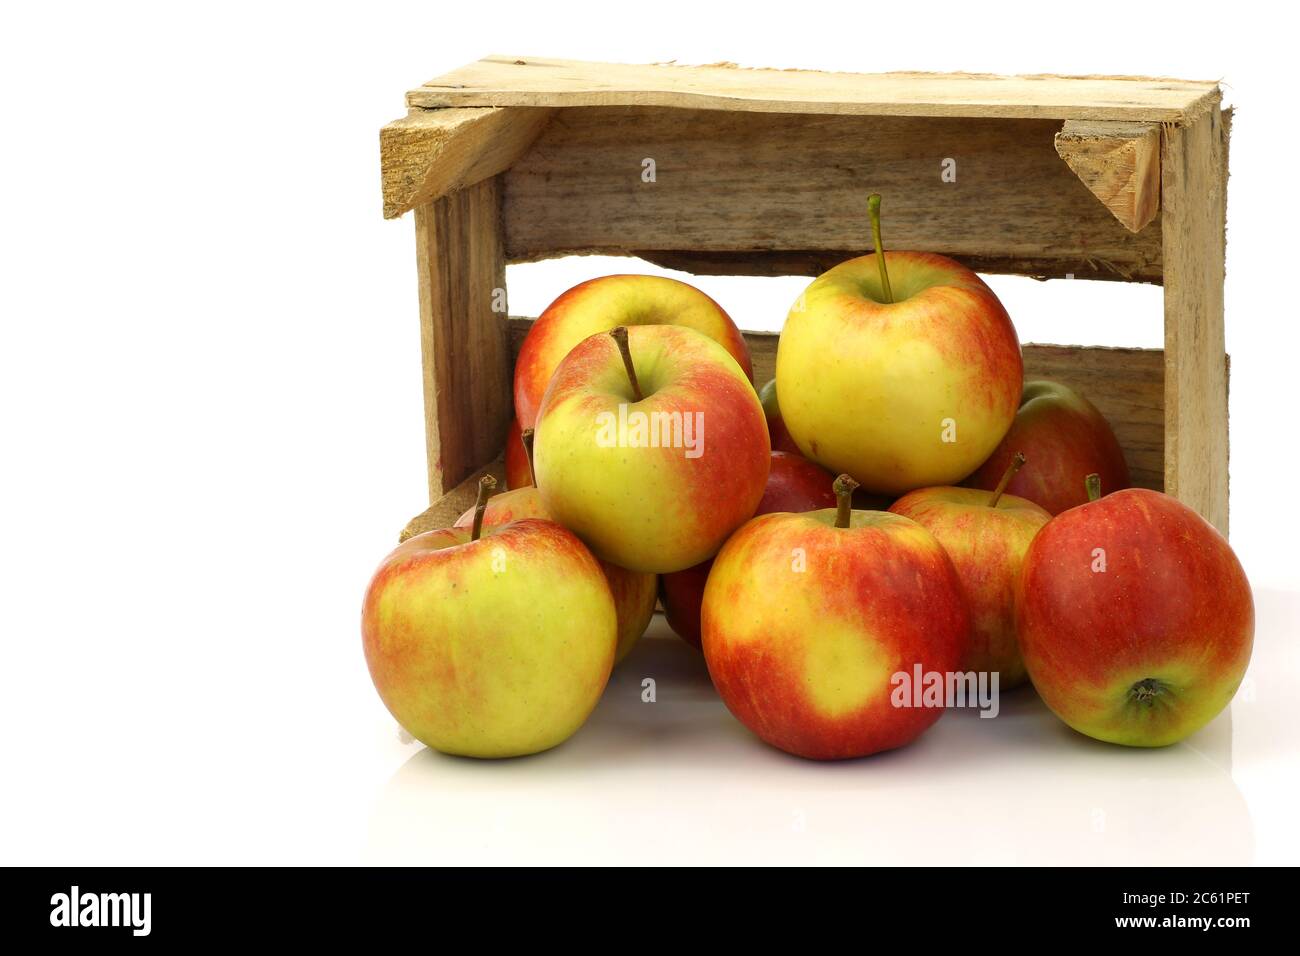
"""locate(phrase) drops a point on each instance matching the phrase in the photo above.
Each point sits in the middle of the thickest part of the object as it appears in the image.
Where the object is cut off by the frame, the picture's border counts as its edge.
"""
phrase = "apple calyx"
(844, 487)
(620, 336)
(1016, 464)
(1093, 484)
(526, 439)
(485, 486)
(873, 207)
(1145, 691)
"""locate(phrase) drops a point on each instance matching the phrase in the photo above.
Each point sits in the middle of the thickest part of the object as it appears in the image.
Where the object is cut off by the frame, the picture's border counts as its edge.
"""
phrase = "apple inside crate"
(725, 171)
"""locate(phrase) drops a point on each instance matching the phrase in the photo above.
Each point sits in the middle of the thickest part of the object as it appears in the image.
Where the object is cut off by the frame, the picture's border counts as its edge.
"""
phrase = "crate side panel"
(1196, 381)
(746, 189)
(463, 338)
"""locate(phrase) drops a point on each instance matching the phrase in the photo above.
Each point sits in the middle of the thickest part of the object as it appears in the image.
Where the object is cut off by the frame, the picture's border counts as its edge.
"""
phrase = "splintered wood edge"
(538, 81)
(430, 153)
(1119, 162)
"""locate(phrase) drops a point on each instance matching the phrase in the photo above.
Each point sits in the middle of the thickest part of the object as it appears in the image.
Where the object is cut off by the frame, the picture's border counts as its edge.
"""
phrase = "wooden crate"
(765, 172)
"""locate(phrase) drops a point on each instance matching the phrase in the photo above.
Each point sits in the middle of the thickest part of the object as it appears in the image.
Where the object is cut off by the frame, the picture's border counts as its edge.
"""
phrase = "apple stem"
(1007, 475)
(873, 206)
(485, 486)
(526, 439)
(844, 487)
(620, 336)
(1093, 484)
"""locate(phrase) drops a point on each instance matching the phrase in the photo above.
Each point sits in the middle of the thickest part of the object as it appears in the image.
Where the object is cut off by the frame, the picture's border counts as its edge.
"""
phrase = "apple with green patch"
(494, 644)
(986, 533)
(901, 369)
(809, 619)
(1135, 618)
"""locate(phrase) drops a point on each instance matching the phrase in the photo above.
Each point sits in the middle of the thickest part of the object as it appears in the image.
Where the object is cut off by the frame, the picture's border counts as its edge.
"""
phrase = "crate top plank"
(541, 82)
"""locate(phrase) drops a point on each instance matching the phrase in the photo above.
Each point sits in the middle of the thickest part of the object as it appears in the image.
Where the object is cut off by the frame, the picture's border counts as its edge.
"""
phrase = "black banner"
(436, 906)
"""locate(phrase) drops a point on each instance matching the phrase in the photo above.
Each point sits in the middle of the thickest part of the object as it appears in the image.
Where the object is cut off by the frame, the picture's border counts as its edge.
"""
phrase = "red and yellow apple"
(781, 440)
(651, 446)
(514, 505)
(986, 533)
(634, 592)
(794, 484)
(682, 594)
(809, 619)
(495, 646)
(901, 369)
(1135, 618)
(1065, 439)
(519, 473)
(599, 305)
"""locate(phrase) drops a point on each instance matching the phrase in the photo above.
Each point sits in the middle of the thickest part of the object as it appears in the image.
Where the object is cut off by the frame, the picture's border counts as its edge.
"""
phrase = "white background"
(212, 433)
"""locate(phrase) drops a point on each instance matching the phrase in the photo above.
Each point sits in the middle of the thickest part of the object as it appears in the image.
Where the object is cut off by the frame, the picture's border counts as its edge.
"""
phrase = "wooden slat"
(1196, 383)
(429, 153)
(464, 342)
(1126, 385)
(746, 188)
(812, 263)
(535, 81)
(1120, 165)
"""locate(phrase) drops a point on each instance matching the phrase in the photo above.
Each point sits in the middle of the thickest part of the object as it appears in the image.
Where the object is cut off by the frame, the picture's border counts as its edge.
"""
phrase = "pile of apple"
(994, 531)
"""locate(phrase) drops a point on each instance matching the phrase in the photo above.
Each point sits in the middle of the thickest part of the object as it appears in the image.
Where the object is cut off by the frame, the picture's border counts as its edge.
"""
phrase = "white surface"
(212, 433)
(679, 781)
